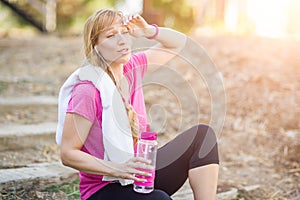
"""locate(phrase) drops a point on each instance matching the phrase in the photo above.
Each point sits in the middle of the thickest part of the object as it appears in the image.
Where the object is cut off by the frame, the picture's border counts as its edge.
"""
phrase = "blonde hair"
(94, 26)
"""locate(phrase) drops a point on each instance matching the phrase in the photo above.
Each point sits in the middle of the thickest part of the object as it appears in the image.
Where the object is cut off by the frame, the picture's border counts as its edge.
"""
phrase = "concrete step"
(35, 176)
(17, 158)
(28, 101)
(16, 136)
(185, 193)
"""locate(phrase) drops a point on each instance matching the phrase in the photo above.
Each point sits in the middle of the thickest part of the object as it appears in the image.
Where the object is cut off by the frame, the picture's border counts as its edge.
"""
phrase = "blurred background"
(253, 44)
(264, 18)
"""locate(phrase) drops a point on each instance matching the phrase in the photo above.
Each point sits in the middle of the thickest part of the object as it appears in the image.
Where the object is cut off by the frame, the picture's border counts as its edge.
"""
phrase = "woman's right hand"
(129, 169)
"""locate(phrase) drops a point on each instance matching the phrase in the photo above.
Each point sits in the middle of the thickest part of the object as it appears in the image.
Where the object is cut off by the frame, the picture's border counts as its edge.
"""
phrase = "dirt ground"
(260, 140)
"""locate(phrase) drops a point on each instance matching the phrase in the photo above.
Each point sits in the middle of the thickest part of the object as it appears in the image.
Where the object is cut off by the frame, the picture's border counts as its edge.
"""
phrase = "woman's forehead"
(117, 24)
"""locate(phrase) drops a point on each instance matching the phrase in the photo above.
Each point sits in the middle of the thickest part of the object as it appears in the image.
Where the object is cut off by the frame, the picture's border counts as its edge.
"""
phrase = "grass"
(3, 86)
(70, 189)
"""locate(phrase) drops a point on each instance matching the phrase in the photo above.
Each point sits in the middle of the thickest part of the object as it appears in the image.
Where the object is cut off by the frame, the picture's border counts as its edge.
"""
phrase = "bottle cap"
(148, 135)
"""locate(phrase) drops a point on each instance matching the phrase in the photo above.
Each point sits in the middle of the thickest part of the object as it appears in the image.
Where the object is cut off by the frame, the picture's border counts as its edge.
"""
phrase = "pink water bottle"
(146, 148)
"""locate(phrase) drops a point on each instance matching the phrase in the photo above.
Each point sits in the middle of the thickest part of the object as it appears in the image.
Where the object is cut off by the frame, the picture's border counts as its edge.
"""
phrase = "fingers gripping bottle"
(146, 148)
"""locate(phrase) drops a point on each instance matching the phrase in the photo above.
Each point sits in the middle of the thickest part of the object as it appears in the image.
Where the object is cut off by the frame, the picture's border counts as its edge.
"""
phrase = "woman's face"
(114, 43)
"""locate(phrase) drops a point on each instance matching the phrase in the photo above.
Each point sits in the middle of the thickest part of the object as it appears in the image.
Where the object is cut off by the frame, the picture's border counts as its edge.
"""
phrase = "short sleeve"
(84, 102)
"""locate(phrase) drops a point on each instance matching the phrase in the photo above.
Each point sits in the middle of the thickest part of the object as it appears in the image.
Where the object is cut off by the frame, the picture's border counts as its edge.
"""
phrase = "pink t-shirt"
(85, 101)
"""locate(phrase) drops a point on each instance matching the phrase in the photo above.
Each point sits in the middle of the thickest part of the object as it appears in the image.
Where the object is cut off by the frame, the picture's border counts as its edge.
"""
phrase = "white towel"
(117, 137)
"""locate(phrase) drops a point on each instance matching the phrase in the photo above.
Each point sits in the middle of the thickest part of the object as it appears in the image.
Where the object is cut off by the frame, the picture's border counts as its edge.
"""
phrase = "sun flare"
(269, 18)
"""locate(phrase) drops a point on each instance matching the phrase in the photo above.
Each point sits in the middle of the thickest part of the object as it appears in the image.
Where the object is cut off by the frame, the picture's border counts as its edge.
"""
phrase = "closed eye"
(111, 35)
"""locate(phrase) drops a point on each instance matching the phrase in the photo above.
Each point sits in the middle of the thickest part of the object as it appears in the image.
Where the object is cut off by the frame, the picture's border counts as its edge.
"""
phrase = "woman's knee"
(205, 132)
(206, 141)
(203, 139)
(204, 128)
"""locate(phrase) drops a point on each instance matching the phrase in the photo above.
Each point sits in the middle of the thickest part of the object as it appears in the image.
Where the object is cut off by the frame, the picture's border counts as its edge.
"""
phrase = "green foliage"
(178, 14)
(70, 189)
(71, 14)
(8, 19)
(3, 86)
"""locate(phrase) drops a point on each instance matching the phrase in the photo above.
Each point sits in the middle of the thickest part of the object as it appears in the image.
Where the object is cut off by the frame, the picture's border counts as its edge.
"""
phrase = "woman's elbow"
(66, 157)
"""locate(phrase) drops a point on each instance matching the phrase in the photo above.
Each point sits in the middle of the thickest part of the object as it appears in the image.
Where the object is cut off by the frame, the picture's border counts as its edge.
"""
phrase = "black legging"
(193, 148)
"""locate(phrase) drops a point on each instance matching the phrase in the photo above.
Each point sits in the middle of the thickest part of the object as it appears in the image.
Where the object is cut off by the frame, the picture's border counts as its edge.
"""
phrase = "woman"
(85, 136)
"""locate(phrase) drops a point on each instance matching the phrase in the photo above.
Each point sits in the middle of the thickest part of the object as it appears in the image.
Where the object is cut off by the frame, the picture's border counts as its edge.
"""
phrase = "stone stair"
(28, 141)
(18, 136)
(35, 176)
(28, 101)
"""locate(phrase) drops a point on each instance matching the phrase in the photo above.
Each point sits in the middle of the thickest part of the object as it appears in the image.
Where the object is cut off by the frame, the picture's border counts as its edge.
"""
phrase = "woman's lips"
(124, 50)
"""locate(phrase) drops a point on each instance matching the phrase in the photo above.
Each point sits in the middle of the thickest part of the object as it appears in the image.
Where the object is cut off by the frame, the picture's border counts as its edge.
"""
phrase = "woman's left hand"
(137, 26)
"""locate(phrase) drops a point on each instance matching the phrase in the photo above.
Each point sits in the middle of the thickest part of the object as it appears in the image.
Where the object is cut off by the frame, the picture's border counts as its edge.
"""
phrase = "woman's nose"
(122, 39)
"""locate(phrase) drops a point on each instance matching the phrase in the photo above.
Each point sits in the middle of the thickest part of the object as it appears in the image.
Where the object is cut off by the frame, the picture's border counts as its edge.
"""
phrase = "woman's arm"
(76, 129)
(171, 42)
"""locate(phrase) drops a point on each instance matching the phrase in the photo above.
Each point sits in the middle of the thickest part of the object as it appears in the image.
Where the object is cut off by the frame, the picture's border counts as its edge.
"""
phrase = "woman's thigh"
(115, 191)
(172, 162)
(177, 157)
